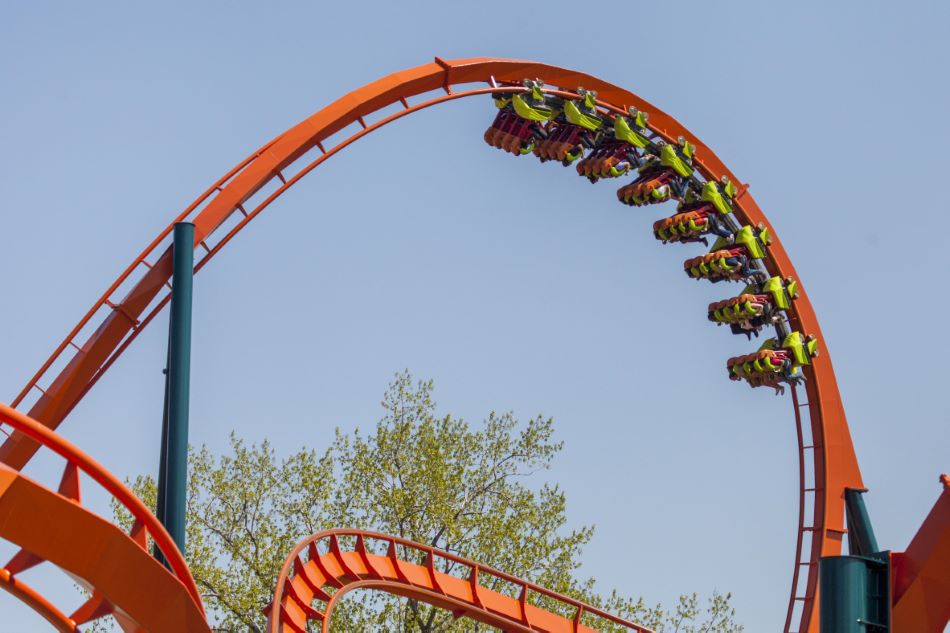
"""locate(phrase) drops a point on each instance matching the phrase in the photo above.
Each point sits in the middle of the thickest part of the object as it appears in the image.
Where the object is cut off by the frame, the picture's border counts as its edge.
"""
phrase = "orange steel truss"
(351, 559)
(116, 319)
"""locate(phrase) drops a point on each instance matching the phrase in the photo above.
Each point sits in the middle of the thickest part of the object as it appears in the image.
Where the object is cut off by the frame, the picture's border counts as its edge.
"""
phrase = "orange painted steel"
(327, 577)
(30, 597)
(919, 576)
(126, 579)
(833, 460)
(55, 527)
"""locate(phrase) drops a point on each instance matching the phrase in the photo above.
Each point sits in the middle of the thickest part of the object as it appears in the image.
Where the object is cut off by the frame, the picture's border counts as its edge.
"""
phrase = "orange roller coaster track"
(53, 526)
(383, 562)
(229, 205)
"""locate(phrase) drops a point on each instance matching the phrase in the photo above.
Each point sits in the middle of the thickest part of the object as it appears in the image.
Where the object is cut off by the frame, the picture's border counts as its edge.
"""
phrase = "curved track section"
(33, 599)
(339, 561)
(826, 449)
(125, 580)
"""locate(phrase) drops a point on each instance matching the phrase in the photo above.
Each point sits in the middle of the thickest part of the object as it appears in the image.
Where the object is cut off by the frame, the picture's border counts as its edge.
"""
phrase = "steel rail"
(801, 507)
(835, 464)
(36, 601)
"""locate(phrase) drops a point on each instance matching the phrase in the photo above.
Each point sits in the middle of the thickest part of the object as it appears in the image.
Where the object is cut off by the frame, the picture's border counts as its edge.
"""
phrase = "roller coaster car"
(758, 305)
(608, 159)
(775, 362)
(698, 215)
(655, 184)
(764, 368)
(731, 257)
(726, 264)
(687, 226)
(512, 134)
(577, 128)
(745, 314)
(716, 196)
(519, 123)
(662, 177)
(690, 224)
(613, 157)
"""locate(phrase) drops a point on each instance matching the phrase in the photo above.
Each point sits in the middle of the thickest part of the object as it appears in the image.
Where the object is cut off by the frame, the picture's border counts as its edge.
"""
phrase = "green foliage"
(430, 479)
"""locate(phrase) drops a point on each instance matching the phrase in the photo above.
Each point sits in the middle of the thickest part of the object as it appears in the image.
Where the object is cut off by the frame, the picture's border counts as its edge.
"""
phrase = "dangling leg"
(717, 226)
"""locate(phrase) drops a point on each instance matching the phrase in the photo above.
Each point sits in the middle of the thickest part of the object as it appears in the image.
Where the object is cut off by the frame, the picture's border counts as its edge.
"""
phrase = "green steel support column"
(855, 589)
(855, 594)
(178, 382)
(163, 457)
(861, 541)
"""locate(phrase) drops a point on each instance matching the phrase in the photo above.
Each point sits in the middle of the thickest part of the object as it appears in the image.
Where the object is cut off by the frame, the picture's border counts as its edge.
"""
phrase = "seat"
(652, 186)
(728, 264)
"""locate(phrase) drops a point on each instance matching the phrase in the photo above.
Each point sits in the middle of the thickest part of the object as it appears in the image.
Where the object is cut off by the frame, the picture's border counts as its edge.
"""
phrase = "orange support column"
(920, 577)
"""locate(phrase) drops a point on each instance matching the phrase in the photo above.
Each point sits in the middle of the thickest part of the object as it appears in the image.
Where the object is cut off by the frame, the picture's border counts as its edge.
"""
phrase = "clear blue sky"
(514, 285)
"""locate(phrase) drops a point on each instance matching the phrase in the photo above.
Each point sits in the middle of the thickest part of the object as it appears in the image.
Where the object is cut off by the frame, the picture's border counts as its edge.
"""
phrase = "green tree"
(427, 478)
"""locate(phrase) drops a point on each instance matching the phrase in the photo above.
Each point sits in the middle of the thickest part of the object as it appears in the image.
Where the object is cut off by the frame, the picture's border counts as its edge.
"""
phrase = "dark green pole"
(861, 541)
(855, 594)
(855, 589)
(163, 456)
(173, 490)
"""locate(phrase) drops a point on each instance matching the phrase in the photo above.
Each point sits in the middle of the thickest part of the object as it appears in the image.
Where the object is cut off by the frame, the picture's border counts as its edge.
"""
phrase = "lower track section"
(325, 566)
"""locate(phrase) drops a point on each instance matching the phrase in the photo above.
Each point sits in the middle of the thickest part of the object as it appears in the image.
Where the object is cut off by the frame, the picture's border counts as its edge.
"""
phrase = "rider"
(775, 361)
(664, 173)
(756, 306)
(732, 263)
(736, 251)
(574, 129)
(519, 122)
(615, 156)
(699, 214)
